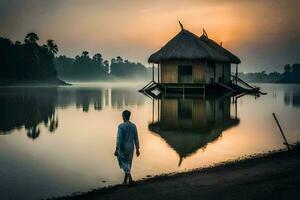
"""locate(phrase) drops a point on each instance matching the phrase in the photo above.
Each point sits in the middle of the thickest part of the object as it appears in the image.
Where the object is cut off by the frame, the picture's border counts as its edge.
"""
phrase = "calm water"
(56, 141)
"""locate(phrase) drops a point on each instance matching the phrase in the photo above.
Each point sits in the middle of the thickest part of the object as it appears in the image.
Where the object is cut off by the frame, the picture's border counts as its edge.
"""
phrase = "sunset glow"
(254, 30)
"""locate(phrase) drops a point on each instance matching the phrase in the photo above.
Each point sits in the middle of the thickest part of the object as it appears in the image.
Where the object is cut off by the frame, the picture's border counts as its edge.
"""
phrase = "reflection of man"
(126, 139)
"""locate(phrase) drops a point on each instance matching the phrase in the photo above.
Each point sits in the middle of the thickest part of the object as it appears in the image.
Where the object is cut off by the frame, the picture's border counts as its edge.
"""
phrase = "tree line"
(27, 61)
(85, 67)
(291, 74)
(31, 62)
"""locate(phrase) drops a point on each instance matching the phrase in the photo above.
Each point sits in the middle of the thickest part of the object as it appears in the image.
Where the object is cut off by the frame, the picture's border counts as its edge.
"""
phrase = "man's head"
(126, 115)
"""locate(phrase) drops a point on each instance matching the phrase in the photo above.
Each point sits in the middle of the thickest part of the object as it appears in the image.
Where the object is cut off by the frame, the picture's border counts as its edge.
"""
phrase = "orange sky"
(263, 33)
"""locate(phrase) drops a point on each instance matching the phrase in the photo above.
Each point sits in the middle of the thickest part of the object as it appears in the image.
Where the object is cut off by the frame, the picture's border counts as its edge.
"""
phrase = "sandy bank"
(271, 176)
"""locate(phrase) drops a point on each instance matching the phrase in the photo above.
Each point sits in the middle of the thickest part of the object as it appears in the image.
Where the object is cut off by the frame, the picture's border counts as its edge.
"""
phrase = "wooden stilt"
(152, 110)
(158, 72)
(236, 73)
(153, 72)
(157, 110)
(235, 105)
(158, 102)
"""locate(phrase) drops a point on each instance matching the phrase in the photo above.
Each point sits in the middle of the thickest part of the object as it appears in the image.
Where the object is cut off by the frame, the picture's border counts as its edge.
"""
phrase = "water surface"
(56, 141)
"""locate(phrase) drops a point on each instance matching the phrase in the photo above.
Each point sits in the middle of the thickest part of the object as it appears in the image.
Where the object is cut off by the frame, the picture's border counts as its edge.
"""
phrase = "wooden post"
(236, 73)
(158, 101)
(158, 71)
(235, 105)
(152, 110)
(153, 72)
(286, 143)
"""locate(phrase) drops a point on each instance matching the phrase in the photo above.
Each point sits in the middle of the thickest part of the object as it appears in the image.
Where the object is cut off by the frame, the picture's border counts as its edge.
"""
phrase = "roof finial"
(180, 25)
(221, 43)
(204, 33)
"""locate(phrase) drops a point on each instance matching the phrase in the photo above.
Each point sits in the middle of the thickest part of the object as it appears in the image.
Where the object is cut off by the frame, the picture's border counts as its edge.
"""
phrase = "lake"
(57, 141)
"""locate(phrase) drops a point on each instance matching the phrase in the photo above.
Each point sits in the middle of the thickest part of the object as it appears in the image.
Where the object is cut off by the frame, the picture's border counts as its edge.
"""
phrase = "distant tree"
(119, 59)
(98, 58)
(287, 68)
(291, 75)
(96, 68)
(129, 70)
(106, 66)
(31, 38)
(296, 68)
(26, 62)
(52, 47)
(85, 54)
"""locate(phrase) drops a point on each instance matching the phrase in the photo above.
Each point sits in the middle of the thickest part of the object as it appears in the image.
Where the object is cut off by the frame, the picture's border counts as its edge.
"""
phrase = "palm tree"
(52, 47)
(31, 38)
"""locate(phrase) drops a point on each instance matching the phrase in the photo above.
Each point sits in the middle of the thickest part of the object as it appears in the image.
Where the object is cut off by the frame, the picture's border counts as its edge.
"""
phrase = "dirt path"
(274, 176)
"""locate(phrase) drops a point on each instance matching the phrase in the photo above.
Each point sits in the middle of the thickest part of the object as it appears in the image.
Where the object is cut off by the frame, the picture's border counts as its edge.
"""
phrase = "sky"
(265, 34)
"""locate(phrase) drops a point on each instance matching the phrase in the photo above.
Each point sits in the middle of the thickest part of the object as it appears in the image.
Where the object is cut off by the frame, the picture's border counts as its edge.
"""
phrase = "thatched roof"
(188, 46)
(233, 58)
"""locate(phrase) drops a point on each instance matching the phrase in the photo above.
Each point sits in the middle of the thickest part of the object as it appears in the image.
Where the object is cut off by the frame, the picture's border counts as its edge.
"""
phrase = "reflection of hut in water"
(292, 97)
(190, 124)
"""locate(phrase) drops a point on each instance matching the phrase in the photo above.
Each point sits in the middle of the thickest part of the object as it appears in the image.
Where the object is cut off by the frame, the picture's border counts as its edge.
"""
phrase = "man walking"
(127, 138)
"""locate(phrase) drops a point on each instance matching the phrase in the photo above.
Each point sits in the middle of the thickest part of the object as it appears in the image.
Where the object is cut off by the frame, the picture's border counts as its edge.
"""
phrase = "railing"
(240, 81)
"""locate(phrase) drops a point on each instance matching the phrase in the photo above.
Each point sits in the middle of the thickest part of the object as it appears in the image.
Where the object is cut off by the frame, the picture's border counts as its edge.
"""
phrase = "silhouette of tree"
(28, 61)
(98, 58)
(291, 74)
(31, 38)
(106, 66)
(85, 54)
(287, 68)
(96, 68)
(52, 47)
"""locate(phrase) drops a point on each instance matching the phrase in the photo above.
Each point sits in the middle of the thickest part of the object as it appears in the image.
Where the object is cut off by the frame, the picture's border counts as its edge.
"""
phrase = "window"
(185, 73)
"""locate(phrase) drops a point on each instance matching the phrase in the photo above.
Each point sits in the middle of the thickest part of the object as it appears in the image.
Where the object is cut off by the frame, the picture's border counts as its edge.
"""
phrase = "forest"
(28, 61)
(86, 68)
(291, 74)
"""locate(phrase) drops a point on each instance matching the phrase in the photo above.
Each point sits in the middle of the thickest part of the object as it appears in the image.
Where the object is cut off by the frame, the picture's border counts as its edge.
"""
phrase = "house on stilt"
(191, 63)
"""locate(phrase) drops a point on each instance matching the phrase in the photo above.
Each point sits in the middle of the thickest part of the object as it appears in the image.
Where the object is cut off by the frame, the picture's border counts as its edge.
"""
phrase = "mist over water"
(59, 140)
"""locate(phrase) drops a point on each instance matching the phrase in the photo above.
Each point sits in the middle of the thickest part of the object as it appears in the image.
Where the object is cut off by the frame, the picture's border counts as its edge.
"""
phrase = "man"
(127, 138)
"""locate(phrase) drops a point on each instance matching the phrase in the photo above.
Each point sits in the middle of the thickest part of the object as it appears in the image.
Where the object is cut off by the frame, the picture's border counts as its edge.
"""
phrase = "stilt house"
(192, 60)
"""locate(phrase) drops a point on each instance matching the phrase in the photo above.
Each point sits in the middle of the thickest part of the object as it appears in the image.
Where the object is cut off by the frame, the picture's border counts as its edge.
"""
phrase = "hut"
(190, 61)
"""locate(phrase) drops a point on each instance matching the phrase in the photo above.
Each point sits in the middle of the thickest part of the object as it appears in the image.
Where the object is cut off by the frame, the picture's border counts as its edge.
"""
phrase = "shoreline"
(244, 178)
(55, 82)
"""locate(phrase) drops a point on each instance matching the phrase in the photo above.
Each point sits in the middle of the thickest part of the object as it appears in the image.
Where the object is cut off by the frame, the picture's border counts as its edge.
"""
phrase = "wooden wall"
(169, 71)
(202, 72)
(199, 71)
